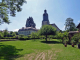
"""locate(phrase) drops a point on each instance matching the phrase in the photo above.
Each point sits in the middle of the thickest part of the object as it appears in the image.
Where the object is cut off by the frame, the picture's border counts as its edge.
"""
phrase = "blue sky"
(58, 11)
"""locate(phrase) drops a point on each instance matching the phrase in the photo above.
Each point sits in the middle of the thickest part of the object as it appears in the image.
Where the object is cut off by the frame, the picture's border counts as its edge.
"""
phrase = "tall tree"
(70, 25)
(47, 30)
(9, 7)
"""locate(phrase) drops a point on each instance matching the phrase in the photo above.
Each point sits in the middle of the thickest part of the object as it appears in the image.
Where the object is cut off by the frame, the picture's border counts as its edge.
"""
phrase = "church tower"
(45, 18)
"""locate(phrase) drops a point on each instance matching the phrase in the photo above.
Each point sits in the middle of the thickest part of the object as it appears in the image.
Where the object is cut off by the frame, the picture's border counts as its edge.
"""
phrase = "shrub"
(23, 38)
(76, 38)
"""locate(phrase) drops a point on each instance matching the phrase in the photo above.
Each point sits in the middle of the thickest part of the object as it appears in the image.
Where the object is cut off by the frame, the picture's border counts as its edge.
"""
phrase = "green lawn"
(37, 50)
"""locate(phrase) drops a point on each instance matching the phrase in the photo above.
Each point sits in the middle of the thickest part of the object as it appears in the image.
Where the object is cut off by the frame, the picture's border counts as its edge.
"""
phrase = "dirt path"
(45, 55)
(42, 55)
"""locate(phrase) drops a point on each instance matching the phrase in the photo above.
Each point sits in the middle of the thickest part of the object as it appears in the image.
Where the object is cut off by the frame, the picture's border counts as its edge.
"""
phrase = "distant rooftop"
(73, 31)
(28, 28)
(78, 26)
(55, 26)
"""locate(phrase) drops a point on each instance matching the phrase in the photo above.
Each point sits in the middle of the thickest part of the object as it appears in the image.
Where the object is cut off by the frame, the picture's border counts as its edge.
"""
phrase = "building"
(29, 27)
(71, 33)
(45, 20)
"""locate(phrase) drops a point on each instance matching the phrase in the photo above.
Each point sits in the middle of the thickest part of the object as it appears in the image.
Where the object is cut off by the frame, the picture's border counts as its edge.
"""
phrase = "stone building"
(45, 20)
(29, 27)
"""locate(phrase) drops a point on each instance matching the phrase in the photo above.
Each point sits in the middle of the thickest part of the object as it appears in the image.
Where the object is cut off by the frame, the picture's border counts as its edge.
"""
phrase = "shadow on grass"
(8, 52)
(51, 42)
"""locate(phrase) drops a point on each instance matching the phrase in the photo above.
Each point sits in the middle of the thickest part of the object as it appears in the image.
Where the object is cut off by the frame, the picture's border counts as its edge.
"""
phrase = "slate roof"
(55, 26)
(78, 25)
(28, 28)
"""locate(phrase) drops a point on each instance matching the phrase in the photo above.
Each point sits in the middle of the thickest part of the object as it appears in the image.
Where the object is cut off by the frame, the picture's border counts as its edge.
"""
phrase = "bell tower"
(45, 18)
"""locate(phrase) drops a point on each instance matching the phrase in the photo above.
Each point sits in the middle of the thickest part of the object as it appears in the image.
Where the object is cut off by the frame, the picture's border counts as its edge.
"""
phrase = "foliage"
(35, 35)
(16, 33)
(76, 38)
(42, 37)
(9, 7)
(70, 25)
(66, 39)
(13, 34)
(23, 38)
(65, 34)
(6, 33)
(62, 36)
(21, 35)
(47, 30)
(73, 41)
(1, 35)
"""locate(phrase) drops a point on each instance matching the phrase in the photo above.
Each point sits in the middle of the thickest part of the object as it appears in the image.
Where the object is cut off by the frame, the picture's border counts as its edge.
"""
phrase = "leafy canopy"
(47, 30)
(70, 25)
(9, 7)
(76, 38)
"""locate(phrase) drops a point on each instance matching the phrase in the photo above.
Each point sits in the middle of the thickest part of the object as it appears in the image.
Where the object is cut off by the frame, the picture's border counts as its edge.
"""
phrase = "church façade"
(46, 20)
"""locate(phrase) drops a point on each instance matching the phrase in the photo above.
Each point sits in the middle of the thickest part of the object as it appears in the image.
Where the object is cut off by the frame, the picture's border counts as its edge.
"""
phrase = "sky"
(58, 11)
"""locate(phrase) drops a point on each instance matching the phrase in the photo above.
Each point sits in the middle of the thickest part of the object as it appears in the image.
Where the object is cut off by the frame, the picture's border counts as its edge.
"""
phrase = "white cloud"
(15, 30)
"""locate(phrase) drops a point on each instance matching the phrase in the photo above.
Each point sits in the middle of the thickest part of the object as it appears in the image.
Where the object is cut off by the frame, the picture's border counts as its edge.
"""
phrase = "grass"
(37, 50)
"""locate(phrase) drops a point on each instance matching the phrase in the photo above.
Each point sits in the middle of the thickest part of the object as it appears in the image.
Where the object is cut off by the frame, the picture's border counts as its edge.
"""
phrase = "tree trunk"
(46, 37)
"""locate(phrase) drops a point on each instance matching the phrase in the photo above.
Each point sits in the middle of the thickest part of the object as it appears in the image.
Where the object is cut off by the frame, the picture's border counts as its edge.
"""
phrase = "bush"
(6, 37)
(24, 38)
(76, 38)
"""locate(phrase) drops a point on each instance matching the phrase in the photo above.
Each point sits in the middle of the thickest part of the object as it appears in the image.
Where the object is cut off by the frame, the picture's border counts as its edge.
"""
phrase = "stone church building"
(30, 25)
(46, 20)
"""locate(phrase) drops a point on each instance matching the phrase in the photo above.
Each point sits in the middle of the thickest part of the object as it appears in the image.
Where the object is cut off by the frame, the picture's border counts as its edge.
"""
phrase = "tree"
(16, 33)
(70, 25)
(6, 33)
(9, 7)
(21, 35)
(76, 38)
(13, 34)
(62, 36)
(47, 30)
(1, 35)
